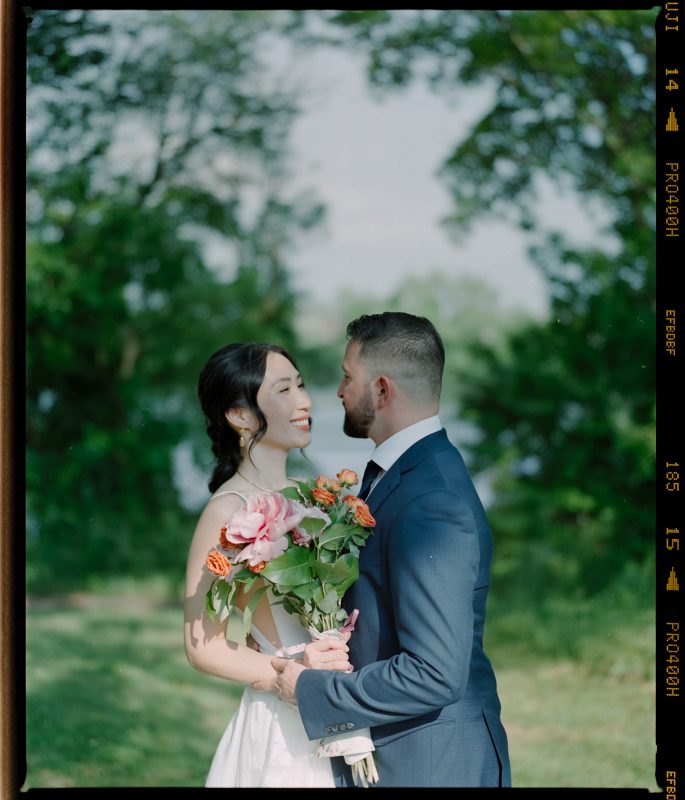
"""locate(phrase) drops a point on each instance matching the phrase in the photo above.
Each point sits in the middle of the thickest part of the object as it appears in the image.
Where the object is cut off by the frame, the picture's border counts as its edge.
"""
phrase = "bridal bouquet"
(304, 542)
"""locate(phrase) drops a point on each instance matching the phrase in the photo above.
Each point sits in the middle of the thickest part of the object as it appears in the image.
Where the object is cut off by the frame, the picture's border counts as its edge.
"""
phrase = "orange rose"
(347, 477)
(223, 541)
(362, 515)
(218, 563)
(258, 568)
(353, 501)
(323, 496)
(227, 544)
(329, 484)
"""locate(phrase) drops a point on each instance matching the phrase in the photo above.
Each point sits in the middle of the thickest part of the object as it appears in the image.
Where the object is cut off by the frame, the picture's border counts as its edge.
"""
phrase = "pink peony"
(300, 535)
(261, 524)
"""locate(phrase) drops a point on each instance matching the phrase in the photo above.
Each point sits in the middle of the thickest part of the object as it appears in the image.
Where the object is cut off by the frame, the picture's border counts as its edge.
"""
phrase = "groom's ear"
(383, 391)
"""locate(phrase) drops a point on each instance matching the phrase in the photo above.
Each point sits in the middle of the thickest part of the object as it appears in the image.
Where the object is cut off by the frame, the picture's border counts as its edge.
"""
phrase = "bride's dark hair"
(231, 378)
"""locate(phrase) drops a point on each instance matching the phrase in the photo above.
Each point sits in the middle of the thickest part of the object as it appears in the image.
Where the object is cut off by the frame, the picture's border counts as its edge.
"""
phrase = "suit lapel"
(406, 462)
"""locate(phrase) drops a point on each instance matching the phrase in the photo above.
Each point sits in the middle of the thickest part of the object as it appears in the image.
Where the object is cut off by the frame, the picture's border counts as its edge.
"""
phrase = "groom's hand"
(288, 672)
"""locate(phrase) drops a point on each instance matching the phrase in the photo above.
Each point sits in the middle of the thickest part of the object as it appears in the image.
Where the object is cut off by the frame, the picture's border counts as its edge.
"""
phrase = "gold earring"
(242, 438)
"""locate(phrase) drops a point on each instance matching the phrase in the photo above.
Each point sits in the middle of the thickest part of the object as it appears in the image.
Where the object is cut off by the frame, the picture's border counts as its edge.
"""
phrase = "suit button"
(327, 729)
(349, 726)
(334, 727)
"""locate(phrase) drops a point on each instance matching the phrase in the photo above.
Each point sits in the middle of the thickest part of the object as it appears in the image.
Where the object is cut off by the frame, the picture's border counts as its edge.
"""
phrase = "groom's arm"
(433, 561)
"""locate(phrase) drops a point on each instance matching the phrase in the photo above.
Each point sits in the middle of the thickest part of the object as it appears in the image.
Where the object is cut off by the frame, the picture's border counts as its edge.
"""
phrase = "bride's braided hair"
(231, 378)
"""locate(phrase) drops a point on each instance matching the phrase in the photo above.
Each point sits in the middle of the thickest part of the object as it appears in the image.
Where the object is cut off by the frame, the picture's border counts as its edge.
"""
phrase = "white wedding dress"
(265, 743)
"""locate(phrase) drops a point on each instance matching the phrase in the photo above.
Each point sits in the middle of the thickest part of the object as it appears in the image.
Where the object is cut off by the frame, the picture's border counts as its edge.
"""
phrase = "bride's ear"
(238, 418)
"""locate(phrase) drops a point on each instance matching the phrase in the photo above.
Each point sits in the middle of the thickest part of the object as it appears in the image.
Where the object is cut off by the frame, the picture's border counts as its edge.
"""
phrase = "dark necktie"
(371, 471)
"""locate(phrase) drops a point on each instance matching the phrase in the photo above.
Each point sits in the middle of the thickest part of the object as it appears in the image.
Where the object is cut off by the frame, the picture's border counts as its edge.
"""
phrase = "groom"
(421, 679)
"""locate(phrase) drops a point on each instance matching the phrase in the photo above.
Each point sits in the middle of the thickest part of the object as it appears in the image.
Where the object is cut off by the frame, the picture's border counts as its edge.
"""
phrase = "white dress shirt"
(386, 453)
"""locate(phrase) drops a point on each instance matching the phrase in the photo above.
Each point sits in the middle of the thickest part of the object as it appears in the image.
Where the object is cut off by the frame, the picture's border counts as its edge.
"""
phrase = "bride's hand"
(328, 653)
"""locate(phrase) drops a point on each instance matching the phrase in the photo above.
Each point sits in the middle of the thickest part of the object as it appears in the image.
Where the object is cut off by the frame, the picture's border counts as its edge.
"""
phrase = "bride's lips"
(302, 424)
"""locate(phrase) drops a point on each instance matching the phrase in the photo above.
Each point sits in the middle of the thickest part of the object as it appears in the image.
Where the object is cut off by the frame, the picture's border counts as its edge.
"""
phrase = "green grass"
(577, 683)
(112, 701)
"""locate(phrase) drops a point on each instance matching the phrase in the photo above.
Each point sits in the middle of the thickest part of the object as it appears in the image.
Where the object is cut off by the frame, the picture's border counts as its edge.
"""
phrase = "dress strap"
(229, 491)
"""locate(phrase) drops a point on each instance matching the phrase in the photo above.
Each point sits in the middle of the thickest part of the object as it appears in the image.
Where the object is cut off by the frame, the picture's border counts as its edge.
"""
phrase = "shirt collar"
(387, 453)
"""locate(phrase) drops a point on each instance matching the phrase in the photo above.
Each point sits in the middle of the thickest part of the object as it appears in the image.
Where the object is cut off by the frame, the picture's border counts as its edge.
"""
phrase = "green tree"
(153, 137)
(463, 308)
(567, 409)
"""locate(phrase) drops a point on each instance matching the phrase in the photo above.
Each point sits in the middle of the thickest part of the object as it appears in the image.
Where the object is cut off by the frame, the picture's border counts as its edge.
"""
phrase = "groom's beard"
(358, 420)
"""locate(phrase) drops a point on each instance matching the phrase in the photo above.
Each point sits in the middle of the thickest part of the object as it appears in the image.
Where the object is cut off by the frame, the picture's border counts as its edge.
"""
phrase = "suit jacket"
(422, 681)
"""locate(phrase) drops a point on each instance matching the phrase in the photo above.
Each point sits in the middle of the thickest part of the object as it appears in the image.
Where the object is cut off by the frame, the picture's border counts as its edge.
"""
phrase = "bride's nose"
(306, 401)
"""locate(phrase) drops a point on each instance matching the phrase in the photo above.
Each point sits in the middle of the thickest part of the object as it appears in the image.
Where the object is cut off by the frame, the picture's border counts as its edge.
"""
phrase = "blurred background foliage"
(152, 135)
(565, 407)
(148, 133)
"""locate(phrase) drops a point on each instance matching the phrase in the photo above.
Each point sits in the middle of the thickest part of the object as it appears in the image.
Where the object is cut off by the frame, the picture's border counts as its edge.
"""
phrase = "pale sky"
(372, 160)
(373, 163)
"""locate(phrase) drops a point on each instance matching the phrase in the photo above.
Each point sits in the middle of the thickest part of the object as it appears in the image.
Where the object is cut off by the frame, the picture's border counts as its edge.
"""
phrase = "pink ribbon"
(349, 622)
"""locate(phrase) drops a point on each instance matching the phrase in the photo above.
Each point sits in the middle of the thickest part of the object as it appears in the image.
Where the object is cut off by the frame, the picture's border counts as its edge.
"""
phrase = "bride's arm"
(205, 641)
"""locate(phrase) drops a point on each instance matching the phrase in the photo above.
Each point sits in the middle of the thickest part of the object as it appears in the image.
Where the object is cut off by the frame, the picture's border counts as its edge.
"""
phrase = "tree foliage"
(158, 140)
(567, 410)
(151, 136)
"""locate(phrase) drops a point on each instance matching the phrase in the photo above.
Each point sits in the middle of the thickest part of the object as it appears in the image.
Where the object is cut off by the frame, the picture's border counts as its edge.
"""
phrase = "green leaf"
(338, 571)
(209, 602)
(305, 591)
(330, 602)
(317, 595)
(251, 605)
(342, 514)
(291, 569)
(312, 525)
(236, 630)
(334, 537)
(291, 493)
(225, 594)
(353, 575)
(245, 577)
(305, 489)
(292, 608)
(326, 556)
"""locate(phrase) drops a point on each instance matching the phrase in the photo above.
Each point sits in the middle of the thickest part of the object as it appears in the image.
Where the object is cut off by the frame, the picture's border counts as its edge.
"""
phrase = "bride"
(257, 410)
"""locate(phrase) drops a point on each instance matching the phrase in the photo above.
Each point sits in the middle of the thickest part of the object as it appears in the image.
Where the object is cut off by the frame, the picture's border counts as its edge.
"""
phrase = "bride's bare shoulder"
(220, 507)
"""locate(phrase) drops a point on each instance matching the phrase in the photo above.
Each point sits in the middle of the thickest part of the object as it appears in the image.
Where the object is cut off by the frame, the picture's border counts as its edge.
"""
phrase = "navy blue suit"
(421, 681)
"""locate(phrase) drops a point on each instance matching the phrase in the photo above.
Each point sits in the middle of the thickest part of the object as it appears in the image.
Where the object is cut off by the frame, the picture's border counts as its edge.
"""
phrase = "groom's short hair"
(404, 347)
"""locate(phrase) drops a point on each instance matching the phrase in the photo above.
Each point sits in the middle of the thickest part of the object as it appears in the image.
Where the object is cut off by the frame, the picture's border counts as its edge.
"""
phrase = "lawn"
(112, 701)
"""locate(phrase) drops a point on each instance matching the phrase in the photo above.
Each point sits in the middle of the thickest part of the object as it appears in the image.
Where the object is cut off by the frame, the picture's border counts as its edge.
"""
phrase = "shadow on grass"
(112, 701)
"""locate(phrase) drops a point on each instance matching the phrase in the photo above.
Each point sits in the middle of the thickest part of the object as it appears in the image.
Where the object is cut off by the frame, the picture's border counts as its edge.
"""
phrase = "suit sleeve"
(432, 556)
